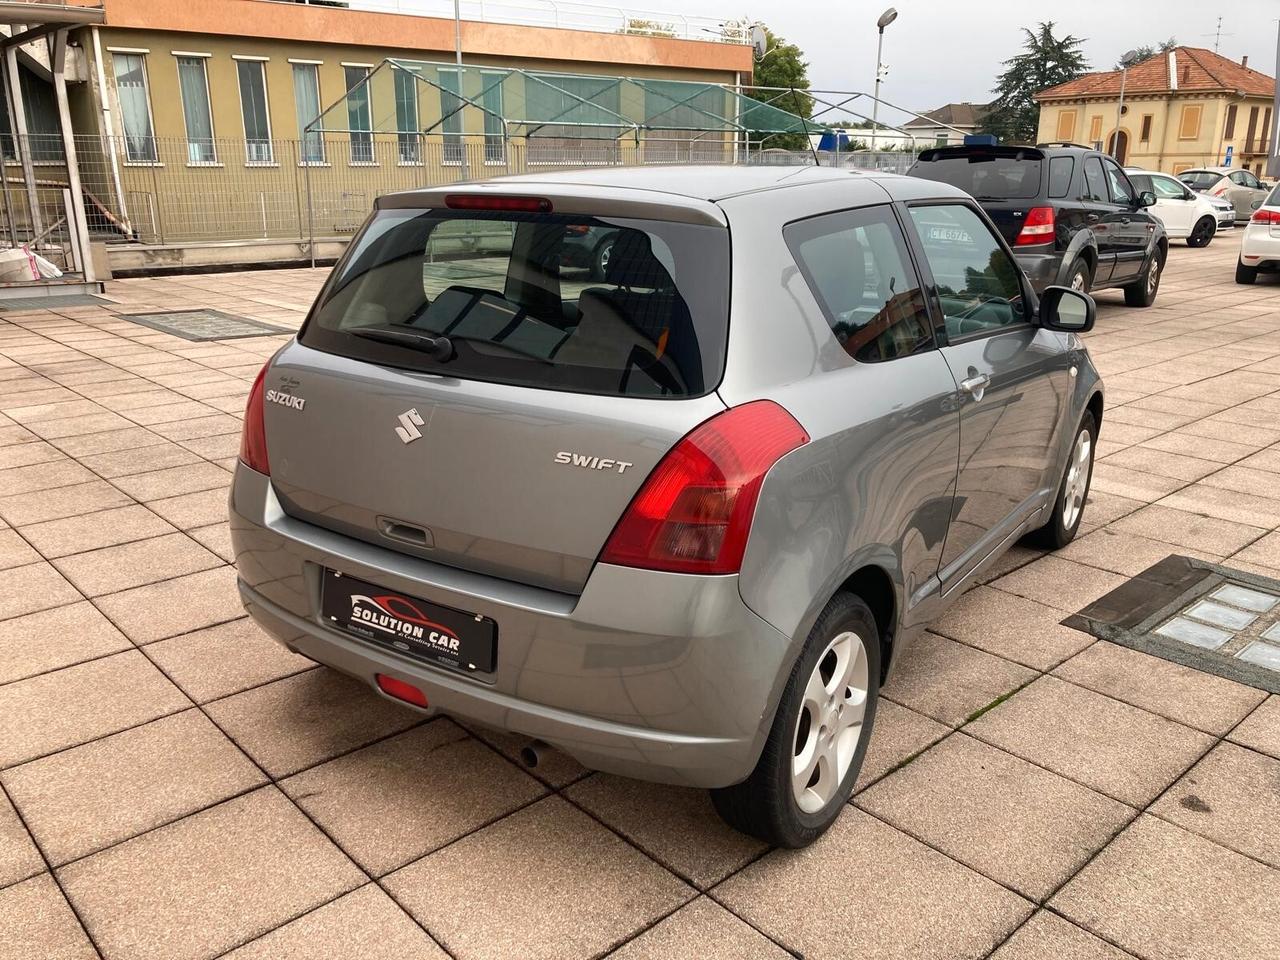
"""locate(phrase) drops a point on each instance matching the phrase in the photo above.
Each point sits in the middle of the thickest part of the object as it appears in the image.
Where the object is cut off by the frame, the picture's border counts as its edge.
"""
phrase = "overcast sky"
(940, 51)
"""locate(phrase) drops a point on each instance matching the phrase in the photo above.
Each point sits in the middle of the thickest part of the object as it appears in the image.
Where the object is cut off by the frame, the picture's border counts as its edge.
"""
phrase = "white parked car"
(1260, 245)
(1186, 215)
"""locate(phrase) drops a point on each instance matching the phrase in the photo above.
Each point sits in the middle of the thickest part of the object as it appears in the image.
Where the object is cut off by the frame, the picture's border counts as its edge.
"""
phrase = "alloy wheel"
(830, 722)
(1153, 276)
(1077, 482)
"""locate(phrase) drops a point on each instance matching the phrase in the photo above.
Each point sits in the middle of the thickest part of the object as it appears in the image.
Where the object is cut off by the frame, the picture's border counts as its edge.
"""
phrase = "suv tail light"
(1266, 216)
(693, 514)
(253, 438)
(1037, 227)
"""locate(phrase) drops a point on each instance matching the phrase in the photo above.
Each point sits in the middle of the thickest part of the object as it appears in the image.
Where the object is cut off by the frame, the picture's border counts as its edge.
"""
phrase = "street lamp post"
(886, 18)
(457, 50)
(1125, 62)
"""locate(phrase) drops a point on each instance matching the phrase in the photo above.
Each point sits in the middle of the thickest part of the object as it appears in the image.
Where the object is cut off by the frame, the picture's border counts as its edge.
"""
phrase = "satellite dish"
(759, 41)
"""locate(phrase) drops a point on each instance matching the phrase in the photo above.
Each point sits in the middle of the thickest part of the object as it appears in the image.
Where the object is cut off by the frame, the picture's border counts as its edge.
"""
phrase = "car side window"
(1238, 178)
(1142, 181)
(1060, 170)
(857, 266)
(1163, 187)
(1095, 181)
(1251, 181)
(978, 283)
(1121, 190)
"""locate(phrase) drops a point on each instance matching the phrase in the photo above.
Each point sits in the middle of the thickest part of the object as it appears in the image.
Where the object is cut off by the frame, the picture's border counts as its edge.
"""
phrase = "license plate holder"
(410, 626)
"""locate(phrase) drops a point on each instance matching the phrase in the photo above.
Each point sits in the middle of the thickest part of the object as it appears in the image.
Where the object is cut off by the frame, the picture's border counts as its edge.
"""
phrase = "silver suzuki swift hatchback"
(677, 513)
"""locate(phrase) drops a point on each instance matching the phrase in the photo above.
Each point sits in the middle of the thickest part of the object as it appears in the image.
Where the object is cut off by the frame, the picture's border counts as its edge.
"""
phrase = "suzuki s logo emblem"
(408, 430)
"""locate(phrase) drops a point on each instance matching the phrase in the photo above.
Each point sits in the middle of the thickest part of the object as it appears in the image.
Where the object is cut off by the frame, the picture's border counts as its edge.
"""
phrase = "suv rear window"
(579, 304)
(985, 176)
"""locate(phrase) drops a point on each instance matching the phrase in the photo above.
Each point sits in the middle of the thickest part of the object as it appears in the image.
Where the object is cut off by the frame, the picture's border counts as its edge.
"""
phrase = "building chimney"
(1244, 61)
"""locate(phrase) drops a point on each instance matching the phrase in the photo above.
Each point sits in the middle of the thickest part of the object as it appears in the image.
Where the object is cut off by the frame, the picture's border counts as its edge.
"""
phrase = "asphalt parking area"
(176, 786)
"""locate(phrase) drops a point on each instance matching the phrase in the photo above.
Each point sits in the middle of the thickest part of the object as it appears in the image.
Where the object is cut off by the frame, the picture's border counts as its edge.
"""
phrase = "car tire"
(1073, 490)
(823, 720)
(1142, 293)
(1080, 277)
(1202, 233)
(600, 259)
(1245, 274)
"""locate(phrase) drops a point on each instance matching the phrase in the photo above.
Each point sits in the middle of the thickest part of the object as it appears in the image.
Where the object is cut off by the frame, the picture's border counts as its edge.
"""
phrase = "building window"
(1189, 125)
(1230, 131)
(450, 116)
(407, 117)
(306, 97)
(1066, 126)
(495, 148)
(359, 119)
(193, 81)
(135, 107)
(252, 75)
(1095, 128)
(1146, 128)
(44, 136)
(1265, 133)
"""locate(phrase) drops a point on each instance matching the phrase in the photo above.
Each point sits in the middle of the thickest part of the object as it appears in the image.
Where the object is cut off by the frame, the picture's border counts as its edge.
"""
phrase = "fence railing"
(175, 191)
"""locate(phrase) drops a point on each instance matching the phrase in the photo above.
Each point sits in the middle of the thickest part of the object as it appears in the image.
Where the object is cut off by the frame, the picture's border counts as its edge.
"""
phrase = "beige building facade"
(1184, 108)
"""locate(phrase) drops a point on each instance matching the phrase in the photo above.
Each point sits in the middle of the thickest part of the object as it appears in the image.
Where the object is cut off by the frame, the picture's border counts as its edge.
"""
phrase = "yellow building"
(1183, 108)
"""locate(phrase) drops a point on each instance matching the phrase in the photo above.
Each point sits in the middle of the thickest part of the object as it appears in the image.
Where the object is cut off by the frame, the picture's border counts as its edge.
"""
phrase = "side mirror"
(1146, 199)
(1070, 311)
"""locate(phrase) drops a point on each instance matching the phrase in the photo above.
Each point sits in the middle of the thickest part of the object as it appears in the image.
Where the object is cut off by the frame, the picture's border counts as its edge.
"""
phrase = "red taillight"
(401, 690)
(253, 438)
(578, 229)
(693, 514)
(1037, 227)
(1266, 216)
(489, 201)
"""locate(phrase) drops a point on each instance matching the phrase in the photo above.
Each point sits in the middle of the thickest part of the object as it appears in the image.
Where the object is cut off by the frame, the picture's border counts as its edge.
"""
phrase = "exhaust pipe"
(533, 753)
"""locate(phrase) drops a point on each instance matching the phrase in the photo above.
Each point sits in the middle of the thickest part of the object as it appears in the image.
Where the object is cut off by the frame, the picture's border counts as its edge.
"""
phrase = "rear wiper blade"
(438, 348)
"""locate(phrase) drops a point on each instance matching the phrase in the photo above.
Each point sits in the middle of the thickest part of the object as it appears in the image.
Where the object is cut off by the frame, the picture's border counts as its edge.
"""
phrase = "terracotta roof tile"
(1198, 69)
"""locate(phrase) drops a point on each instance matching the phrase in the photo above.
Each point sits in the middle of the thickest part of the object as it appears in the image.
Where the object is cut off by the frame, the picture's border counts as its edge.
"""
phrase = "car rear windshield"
(1200, 180)
(985, 176)
(582, 304)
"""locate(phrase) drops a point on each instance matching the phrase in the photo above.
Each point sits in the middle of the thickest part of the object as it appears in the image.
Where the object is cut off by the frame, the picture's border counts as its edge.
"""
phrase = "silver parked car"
(1239, 187)
(682, 520)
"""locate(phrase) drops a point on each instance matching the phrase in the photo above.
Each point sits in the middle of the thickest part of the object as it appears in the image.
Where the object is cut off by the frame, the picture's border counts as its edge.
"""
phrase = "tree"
(648, 28)
(1147, 51)
(1046, 61)
(783, 65)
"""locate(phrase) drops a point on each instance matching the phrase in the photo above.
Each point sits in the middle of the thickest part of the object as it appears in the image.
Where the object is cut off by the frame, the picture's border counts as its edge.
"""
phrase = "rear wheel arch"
(875, 587)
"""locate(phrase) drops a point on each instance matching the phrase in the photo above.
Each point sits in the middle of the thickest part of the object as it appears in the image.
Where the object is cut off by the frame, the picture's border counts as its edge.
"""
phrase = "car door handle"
(1092, 218)
(976, 386)
(1124, 220)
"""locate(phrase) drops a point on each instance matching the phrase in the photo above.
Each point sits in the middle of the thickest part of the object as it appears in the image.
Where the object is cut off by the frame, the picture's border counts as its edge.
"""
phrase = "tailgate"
(508, 481)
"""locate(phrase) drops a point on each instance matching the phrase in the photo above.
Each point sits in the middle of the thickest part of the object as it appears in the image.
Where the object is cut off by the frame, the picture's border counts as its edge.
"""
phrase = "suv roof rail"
(1066, 143)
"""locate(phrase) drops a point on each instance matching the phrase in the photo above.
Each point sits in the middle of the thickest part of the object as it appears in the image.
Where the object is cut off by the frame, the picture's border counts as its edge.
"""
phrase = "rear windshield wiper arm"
(438, 348)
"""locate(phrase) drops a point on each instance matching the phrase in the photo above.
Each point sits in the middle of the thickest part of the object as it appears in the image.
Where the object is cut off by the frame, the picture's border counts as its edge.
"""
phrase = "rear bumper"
(650, 675)
(1042, 269)
(1260, 247)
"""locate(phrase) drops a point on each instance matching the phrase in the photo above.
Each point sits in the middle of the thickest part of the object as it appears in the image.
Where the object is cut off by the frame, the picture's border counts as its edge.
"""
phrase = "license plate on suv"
(409, 626)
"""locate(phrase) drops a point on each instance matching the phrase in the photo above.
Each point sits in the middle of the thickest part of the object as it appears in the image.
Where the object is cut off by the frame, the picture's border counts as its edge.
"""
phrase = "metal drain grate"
(53, 302)
(201, 325)
(1213, 618)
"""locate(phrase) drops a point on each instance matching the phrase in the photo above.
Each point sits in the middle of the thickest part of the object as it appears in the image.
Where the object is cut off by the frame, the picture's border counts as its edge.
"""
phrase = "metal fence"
(175, 191)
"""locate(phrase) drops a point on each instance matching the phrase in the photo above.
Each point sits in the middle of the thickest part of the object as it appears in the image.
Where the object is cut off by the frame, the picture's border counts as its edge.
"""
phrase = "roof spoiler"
(982, 150)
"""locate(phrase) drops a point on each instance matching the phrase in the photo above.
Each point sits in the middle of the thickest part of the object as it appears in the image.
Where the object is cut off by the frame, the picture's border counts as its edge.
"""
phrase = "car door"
(1243, 192)
(1175, 205)
(1012, 375)
(1257, 191)
(1129, 225)
(1098, 211)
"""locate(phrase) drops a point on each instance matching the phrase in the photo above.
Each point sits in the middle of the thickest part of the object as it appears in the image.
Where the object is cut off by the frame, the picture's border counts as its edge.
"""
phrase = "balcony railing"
(564, 14)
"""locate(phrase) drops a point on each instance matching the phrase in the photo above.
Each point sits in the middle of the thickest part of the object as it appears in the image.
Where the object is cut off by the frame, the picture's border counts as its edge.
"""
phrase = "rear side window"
(856, 264)
(579, 304)
(1060, 171)
(1095, 181)
(985, 176)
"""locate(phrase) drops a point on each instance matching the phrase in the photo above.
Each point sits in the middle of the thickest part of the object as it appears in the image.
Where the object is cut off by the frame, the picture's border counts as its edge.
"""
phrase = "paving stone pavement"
(175, 785)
